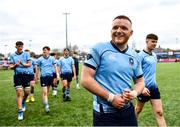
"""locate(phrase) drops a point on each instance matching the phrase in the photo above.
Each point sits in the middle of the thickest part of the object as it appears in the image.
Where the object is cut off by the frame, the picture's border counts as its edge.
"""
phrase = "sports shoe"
(20, 115)
(23, 106)
(32, 98)
(68, 98)
(54, 93)
(47, 109)
(28, 99)
(77, 86)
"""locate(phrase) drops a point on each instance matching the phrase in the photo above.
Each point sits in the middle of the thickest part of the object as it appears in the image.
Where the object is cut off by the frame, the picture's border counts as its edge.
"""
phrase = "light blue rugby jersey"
(16, 57)
(66, 64)
(31, 68)
(115, 70)
(148, 63)
(46, 65)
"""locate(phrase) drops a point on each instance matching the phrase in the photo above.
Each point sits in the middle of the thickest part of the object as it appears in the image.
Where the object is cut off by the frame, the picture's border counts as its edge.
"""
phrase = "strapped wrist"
(134, 93)
(110, 97)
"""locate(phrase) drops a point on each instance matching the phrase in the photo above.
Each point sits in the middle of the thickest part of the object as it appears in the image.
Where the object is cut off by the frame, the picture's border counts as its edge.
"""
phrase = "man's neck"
(122, 47)
(148, 50)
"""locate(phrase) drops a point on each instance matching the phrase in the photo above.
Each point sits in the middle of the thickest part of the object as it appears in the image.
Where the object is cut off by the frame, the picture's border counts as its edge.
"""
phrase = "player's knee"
(159, 113)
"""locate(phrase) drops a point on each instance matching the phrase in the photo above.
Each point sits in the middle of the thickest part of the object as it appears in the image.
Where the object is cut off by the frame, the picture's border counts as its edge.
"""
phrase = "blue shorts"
(154, 94)
(67, 76)
(46, 81)
(21, 81)
(121, 117)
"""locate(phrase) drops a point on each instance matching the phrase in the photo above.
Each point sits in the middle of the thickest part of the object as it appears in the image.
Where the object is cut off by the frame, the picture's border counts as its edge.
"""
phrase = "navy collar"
(118, 48)
(150, 53)
(19, 53)
(46, 57)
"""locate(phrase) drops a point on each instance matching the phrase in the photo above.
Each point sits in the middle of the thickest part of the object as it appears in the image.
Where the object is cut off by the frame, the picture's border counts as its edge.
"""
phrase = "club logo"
(131, 61)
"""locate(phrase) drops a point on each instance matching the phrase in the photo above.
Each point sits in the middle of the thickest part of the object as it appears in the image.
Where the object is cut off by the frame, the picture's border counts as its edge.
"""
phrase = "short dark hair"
(152, 36)
(19, 43)
(46, 47)
(66, 49)
(122, 17)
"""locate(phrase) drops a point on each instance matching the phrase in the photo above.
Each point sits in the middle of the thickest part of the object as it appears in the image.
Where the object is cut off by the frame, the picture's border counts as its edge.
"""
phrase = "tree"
(75, 48)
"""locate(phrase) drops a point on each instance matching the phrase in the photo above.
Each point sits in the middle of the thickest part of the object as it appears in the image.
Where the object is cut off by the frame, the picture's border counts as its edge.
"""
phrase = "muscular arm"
(88, 82)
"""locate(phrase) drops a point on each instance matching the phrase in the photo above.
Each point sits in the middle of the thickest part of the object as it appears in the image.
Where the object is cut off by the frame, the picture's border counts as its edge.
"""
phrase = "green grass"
(78, 112)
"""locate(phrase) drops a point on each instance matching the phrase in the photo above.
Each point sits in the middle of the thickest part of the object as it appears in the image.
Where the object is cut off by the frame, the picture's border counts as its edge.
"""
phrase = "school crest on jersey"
(131, 61)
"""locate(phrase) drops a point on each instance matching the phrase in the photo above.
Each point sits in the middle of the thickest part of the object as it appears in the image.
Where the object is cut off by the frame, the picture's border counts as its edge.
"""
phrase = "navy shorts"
(154, 94)
(46, 81)
(31, 77)
(54, 75)
(67, 76)
(121, 117)
(21, 81)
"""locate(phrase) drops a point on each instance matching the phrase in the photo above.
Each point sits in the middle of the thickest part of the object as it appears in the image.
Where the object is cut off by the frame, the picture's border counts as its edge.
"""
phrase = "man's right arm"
(88, 82)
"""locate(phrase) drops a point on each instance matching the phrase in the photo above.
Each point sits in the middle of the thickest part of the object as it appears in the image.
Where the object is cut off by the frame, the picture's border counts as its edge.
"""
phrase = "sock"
(67, 92)
(55, 88)
(45, 104)
(63, 92)
(23, 102)
(32, 90)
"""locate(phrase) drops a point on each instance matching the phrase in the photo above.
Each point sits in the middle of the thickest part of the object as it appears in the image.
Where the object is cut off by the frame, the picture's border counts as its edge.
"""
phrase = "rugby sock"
(55, 88)
(23, 102)
(32, 90)
(77, 82)
(45, 103)
(63, 92)
(67, 92)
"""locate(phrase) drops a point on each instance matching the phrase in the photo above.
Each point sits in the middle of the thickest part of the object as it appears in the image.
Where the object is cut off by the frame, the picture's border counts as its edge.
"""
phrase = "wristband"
(111, 97)
(134, 93)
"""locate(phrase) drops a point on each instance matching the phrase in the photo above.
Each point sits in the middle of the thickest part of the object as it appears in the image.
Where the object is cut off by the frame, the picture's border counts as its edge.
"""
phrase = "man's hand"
(118, 101)
(129, 95)
(146, 92)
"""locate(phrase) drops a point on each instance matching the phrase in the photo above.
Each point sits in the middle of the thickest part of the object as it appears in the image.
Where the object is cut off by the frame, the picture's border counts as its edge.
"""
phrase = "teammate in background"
(108, 72)
(151, 92)
(76, 64)
(46, 64)
(66, 65)
(55, 80)
(20, 61)
(33, 77)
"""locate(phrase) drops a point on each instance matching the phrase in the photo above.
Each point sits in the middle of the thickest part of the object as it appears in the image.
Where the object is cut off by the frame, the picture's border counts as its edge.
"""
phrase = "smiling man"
(108, 72)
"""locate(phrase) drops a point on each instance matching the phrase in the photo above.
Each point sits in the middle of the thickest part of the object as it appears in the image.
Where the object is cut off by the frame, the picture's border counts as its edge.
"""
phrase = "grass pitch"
(78, 112)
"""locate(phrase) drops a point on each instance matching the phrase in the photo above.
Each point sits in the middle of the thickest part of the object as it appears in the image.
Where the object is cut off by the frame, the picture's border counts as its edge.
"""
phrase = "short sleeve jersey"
(148, 63)
(65, 63)
(16, 57)
(46, 65)
(115, 69)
